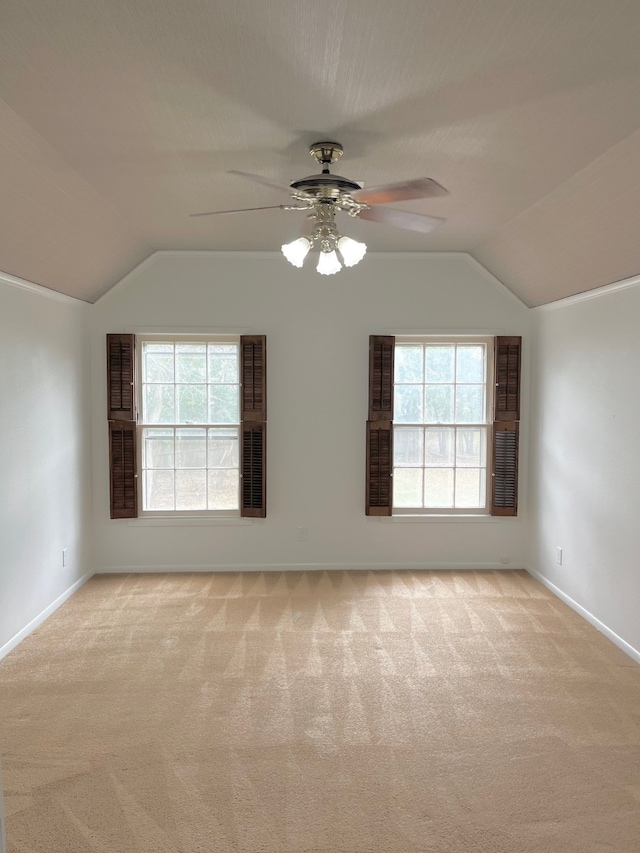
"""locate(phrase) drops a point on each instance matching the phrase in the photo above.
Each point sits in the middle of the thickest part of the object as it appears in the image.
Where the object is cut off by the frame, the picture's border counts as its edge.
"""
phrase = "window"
(187, 425)
(441, 425)
(189, 416)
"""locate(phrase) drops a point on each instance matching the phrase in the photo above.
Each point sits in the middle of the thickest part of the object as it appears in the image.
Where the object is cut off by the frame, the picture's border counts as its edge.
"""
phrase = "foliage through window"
(189, 405)
(441, 425)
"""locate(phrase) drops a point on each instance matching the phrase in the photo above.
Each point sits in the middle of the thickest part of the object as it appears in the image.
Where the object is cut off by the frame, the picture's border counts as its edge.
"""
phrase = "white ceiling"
(118, 118)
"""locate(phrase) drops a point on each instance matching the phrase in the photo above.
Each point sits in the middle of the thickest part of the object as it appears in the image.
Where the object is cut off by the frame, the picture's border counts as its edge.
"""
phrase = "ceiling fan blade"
(258, 179)
(239, 210)
(419, 188)
(401, 219)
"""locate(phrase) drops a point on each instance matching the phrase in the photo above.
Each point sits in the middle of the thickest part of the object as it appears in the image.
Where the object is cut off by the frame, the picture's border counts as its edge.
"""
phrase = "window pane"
(158, 491)
(224, 485)
(192, 404)
(224, 404)
(157, 363)
(408, 446)
(157, 448)
(408, 364)
(407, 487)
(158, 404)
(439, 447)
(223, 363)
(470, 364)
(470, 488)
(191, 362)
(470, 404)
(191, 492)
(439, 363)
(191, 448)
(407, 404)
(471, 448)
(438, 404)
(223, 448)
(438, 487)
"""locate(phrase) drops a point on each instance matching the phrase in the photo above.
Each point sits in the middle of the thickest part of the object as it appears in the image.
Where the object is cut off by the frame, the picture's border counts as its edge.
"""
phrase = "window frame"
(196, 338)
(488, 341)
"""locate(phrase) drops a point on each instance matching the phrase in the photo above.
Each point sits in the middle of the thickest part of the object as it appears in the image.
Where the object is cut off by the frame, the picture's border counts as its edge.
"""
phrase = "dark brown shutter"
(507, 379)
(120, 377)
(122, 467)
(379, 460)
(381, 353)
(253, 446)
(122, 425)
(504, 492)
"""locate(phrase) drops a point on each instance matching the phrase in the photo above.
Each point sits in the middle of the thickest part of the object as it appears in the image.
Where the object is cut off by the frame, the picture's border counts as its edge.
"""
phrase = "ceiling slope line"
(494, 280)
(107, 203)
(556, 193)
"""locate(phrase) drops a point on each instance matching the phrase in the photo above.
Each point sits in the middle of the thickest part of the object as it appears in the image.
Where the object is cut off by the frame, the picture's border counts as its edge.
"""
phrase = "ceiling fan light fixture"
(328, 263)
(297, 251)
(351, 250)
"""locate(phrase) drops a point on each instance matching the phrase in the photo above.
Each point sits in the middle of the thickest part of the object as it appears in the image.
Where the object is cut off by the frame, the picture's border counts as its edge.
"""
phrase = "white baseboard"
(39, 619)
(586, 614)
(306, 567)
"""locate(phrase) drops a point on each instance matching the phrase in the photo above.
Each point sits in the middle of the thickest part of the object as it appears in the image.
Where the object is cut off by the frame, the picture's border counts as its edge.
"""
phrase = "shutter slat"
(122, 467)
(379, 495)
(381, 358)
(253, 414)
(505, 469)
(120, 377)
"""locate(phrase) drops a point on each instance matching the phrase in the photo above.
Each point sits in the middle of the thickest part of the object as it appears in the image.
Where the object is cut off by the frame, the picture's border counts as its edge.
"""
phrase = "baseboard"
(586, 614)
(39, 619)
(306, 567)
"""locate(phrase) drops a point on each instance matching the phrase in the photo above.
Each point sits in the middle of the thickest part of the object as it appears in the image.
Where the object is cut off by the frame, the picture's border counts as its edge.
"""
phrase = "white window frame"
(183, 338)
(454, 339)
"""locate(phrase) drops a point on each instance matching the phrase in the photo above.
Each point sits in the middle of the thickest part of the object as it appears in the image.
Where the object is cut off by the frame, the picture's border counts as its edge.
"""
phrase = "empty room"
(318, 450)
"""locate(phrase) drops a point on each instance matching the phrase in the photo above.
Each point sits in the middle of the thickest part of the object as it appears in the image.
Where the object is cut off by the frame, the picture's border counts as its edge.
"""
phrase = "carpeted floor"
(340, 712)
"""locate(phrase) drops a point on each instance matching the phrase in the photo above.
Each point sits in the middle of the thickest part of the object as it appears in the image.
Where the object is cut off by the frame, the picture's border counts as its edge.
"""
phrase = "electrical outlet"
(302, 534)
(65, 556)
(559, 556)
(504, 561)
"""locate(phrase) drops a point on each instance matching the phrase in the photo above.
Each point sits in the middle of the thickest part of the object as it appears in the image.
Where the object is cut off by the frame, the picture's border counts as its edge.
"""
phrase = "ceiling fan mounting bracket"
(326, 152)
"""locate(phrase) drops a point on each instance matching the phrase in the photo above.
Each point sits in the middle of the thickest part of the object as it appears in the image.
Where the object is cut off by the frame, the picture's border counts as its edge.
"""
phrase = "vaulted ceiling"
(119, 118)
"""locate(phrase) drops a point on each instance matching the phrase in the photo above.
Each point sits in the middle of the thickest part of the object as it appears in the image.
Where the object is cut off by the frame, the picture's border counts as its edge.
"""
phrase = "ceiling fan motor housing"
(325, 185)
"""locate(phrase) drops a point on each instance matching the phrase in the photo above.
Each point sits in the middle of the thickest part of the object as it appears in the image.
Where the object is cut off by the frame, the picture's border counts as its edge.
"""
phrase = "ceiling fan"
(323, 194)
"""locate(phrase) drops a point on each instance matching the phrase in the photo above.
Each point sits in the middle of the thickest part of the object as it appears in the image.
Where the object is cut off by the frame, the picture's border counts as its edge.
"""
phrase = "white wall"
(585, 455)
(317, 342)
(44, 452)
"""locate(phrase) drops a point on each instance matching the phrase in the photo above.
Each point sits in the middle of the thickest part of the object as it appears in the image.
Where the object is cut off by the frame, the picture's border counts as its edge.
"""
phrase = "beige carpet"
(341, 712)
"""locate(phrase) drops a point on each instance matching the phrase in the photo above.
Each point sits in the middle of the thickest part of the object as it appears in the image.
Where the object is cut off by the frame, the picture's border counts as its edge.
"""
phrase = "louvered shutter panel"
(122, 425)
(504, 499)
(253, 445)
(379, 460)
(507, 379)
(120, 379)
(122, 467)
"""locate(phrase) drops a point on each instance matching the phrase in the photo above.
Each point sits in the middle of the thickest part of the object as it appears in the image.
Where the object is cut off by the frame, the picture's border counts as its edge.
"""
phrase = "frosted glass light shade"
(352, 252)
(328, 263)
(297, 251)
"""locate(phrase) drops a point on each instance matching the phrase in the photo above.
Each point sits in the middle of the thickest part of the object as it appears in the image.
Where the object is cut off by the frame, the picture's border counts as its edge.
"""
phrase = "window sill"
(189, 521)
(437, 519)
